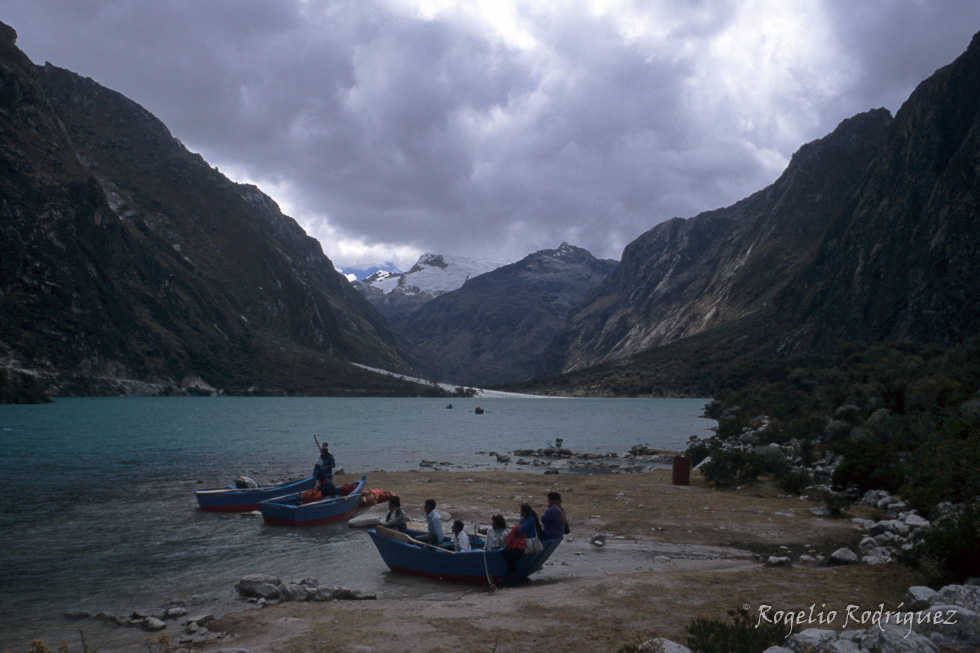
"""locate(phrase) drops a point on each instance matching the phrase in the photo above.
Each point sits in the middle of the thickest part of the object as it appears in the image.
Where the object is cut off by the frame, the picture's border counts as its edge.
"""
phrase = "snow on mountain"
(432, 274)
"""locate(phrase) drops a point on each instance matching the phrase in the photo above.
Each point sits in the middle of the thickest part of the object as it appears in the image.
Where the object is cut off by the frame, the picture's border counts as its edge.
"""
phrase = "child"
(461, 541)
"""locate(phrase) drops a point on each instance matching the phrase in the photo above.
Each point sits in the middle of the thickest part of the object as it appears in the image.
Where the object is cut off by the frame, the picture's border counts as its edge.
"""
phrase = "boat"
(405, 555)
(290, 510)
(235, 499)
(478, 410)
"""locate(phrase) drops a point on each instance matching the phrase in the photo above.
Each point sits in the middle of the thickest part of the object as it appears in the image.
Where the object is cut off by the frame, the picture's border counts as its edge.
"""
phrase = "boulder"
(259, 585)
(779, 561)
(661, 645)
(917, 598)
(843, 556)
(967, 596)
(364, 521)
(889, 638)
(951, 626)
(152, 624)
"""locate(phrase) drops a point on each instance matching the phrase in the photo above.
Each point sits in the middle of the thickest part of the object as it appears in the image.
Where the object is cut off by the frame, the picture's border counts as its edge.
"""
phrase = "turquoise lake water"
(98, 511)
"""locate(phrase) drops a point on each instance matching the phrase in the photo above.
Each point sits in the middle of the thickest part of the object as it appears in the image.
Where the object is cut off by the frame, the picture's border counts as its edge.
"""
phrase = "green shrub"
(697, 450)
(794, 482)
(948, 549)
(728, 467)
(741, 635)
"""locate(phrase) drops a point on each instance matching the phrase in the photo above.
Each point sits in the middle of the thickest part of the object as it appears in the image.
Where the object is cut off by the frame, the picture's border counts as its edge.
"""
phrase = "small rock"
(843, 556)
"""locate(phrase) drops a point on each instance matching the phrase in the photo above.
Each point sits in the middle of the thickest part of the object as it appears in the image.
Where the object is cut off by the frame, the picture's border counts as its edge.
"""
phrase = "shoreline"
(672, 553)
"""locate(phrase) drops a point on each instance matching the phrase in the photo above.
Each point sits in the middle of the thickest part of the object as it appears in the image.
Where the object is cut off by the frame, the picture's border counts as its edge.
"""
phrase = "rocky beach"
(645, 558)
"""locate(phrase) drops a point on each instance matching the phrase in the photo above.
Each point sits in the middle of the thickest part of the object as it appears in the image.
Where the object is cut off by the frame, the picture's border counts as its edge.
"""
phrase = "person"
(323, 469)
(554, 522)
(461, 541)
(245, 483)
(325, 487)
(433, 521)
(496, 532)
(396, 517)
(516, 540)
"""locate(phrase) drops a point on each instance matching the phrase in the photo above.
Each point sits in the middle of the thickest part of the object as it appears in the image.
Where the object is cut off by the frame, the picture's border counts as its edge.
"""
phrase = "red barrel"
(682, 470)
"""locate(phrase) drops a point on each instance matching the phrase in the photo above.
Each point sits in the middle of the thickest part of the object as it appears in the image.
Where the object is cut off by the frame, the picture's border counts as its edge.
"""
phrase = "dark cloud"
(494, 129)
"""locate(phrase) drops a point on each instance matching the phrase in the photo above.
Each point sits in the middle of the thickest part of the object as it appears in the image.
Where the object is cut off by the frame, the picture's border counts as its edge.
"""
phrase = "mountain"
(131, 265)
(870, 236)
(901, 260)
(397, 295)
(494, 327)
(685, 276)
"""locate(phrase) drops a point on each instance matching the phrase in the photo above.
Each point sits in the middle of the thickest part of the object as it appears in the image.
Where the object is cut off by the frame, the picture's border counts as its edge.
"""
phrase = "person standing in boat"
(433, 522)
(323, 469)
(396, 517)
(554, 522)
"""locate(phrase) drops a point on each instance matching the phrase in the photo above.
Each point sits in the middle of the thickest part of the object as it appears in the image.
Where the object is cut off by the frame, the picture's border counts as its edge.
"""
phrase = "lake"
(98, 512)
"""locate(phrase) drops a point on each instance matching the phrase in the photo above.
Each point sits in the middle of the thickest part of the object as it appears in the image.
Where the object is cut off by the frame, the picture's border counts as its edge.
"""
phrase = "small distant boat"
(290, 510)
(478, 410)
(235, 499)
(449, 406)
(405, 555)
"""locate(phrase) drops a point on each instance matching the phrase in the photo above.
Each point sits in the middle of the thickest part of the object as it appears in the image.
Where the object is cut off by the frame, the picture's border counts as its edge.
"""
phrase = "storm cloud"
(494, 129)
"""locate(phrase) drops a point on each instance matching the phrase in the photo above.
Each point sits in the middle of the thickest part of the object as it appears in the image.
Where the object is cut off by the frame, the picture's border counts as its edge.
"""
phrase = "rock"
(295, 592)
(201, 620)
(175, 613)
(152, 624)
(259, 585)
(551, 471)
(661, 645)
(889, 638)
(778, 649)
(778, 561)
(364, 521)
(967, 596)
(914, 521)
(917, 598)
(808, 560)
(843, 556)
(598, 540)
(952, 626)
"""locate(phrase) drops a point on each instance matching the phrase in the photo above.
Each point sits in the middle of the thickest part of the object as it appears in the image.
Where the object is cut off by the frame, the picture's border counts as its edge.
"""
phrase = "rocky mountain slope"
(902, 259)
(870, 235)
(492, 329)
(124, 256)
(685, 276)
(397, 295)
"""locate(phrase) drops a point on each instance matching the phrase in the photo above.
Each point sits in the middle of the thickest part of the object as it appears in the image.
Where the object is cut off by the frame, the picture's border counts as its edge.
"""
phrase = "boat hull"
(290, 511)
(477, 567)
(230, 499)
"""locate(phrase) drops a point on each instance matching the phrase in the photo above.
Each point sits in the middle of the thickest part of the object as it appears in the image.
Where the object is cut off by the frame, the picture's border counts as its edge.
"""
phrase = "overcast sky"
(496, 128)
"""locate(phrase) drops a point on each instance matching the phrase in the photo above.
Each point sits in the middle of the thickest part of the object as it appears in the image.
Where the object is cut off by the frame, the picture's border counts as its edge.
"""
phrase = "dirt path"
(673, 553)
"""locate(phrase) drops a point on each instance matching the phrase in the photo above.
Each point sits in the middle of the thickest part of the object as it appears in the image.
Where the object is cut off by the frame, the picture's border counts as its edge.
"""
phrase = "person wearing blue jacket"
(516, 540)
(323, 469)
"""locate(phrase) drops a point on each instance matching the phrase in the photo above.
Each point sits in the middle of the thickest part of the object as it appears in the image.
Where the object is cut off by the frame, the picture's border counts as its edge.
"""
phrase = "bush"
(697, 450)
(794, 482)
(728, 467)
(949, 547)
(741, 635)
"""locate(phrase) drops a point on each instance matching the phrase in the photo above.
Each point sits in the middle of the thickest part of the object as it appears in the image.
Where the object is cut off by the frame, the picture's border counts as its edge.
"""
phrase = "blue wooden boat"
(403, 554)
(234, 499)
(290, 510)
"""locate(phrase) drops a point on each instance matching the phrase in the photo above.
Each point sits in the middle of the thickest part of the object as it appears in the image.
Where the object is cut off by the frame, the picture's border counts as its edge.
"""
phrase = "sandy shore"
(673, 553)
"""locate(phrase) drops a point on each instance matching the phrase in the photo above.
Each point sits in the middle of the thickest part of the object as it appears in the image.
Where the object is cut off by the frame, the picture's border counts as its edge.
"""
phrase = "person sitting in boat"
(461, 541)
(396, 517)
(496, 532)
(516, 540)
(323, 469)
(433, 520)
(326, 488)
(245, 483)
(553, 520)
